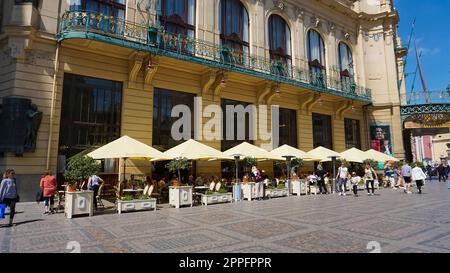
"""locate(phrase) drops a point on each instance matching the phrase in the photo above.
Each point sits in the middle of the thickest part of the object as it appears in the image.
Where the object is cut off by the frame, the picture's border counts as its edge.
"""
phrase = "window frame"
(290, 116)
(236, 39)
(316, 64)
(180, 21)
(346, 75)
(21, 2)
(90, 117)
(165, 98)
(276, 53)
(327, 118)
(355, 126)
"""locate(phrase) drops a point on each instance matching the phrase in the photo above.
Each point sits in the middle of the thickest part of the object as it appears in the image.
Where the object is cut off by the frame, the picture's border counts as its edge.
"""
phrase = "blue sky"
(432, 34)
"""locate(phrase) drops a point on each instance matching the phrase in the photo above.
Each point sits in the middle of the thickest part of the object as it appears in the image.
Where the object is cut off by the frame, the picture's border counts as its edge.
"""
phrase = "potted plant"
(79, 169)
(220, 196)
(178, 164)
(371, 162)
(249, 162)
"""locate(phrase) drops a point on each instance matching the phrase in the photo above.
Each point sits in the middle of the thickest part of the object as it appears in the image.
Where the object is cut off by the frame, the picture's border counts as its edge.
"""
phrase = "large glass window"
(177, 16)
(352, 134)
(90, 113)
(316, 58)
(163, 103)
(227, 144)
(115, 8)
(288, 127)
(228, 167)
(322, 131)
(34, 2)
(346, 65)
(234, 27)
(280, 40)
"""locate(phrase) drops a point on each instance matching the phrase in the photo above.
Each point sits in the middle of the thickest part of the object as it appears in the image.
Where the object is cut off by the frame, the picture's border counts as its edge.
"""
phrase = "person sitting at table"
(191, 181)
(174, 182)
(312, 179)
(133, 184)
(274, 182)
(245, 179)
(199, 181)
(162, 183)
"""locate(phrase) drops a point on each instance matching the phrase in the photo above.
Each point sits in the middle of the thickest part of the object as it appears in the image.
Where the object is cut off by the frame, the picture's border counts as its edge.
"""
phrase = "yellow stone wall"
(29, 72)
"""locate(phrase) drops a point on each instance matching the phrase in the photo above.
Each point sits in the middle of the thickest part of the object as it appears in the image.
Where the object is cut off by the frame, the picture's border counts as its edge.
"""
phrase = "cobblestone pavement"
(397, 221)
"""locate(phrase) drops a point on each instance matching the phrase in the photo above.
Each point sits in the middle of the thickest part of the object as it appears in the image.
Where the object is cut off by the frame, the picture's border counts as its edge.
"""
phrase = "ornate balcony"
(155, 40)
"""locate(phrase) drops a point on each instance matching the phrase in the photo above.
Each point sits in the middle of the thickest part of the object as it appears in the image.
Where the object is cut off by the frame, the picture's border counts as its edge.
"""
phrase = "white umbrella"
(246, 149)
(194, 150)
(321, 153)
(287, 150)
(378, 156)
(127, 147)
(351, 155)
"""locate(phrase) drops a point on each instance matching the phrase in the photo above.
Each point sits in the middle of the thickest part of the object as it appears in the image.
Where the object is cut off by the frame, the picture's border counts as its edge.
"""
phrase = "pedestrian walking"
(342, 179)
(259, 185)
(9, 194)
(355, 181)
(406, 175)
(93, 185)
(443, 170)
(370, 176)
(389, 174)
(48, 186)
(396, 175)
(320, 173)
(419, 177)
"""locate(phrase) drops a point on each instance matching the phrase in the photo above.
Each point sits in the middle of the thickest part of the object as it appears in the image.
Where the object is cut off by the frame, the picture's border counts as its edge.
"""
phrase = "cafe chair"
(218, 186)
(146, 190)
(212, 185)
(99, 196)
(152, 194)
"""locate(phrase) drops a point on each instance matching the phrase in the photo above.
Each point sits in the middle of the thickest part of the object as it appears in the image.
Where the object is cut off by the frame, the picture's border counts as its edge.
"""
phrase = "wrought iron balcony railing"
(430, 97)
(154, 39)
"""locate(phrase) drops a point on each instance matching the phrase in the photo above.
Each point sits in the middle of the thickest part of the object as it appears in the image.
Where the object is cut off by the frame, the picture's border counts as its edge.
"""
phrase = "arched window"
(177, 16)
(316, 58)
(234, 26)
(279, 40)
(316, 52)
(346, 64)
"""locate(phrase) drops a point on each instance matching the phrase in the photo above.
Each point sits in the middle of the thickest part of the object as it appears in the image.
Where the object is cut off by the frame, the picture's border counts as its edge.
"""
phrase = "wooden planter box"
(136, 205)
(216, 198)
(299, 188)
(180, 196)
(271, 193)
(79, 203)
(249, 191)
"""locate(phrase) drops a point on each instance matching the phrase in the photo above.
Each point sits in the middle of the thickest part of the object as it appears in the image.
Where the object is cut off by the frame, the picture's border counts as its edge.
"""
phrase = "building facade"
(97, 70)
(441, 147)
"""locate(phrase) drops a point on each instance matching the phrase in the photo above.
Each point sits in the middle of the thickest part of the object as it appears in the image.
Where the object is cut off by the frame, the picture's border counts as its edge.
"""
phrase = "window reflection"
(322, 134)
(90, 113)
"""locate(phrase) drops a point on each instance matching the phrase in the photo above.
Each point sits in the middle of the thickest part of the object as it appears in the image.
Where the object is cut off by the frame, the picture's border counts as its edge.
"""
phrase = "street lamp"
(333, 161)
(288, 165)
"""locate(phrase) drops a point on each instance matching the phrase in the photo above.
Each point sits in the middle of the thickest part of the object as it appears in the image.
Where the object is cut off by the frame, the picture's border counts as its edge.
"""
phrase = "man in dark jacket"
(320, 173)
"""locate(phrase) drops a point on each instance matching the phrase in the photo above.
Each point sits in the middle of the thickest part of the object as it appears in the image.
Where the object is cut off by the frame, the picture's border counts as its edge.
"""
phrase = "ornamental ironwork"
(408, 110)
(430, 120)
(156, 40)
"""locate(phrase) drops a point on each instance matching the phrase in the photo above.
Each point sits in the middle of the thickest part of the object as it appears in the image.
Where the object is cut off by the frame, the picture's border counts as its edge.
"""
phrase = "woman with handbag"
(48, 186)
(370, 175)
(8, 194)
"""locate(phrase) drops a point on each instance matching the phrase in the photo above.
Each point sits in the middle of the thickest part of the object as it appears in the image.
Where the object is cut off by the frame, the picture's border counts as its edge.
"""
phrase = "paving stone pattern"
(306, 224)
